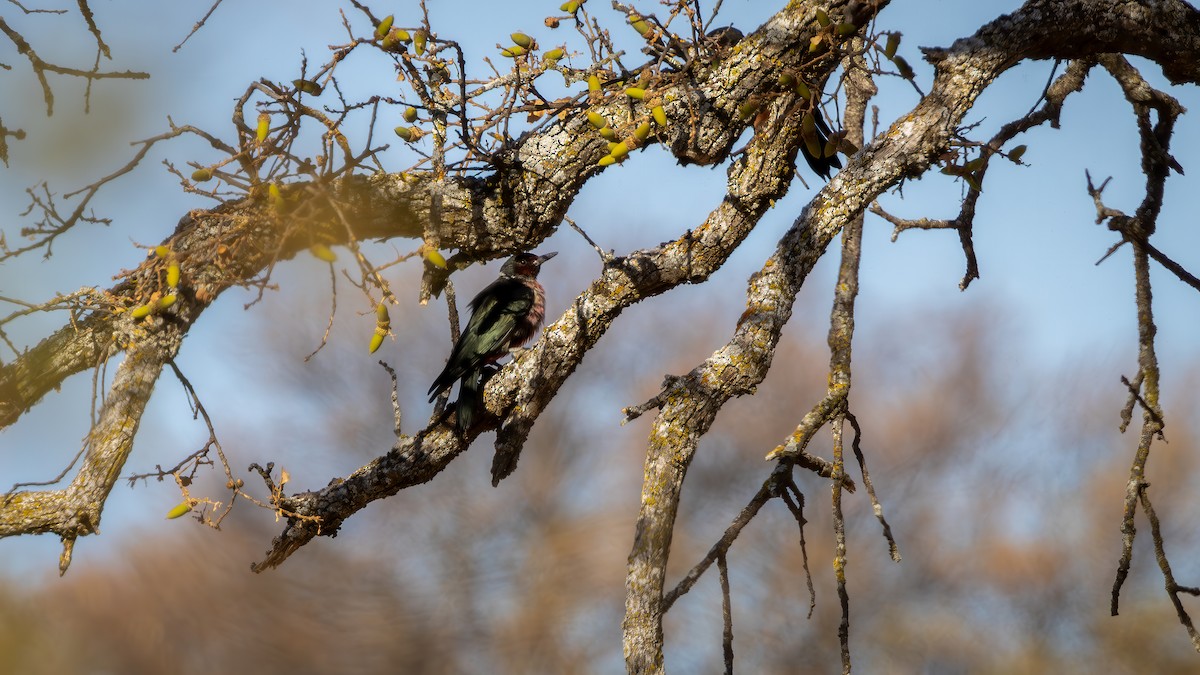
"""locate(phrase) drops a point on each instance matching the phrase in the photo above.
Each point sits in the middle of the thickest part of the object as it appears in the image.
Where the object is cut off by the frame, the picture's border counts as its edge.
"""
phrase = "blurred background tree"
(989, 418)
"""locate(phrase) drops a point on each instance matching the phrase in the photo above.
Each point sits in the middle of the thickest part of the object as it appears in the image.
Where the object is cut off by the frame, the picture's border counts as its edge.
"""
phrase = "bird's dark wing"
(495, 313)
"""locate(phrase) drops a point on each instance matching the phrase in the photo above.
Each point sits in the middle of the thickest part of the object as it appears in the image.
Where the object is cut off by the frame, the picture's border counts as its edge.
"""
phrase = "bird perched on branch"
(504, 316)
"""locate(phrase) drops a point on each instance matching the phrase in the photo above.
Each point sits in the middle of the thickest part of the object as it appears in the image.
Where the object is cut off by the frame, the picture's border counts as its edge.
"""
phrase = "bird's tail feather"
(469, 399)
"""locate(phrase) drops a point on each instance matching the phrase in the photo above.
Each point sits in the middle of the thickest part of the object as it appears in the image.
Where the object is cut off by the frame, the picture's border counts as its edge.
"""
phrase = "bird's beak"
(544, 258)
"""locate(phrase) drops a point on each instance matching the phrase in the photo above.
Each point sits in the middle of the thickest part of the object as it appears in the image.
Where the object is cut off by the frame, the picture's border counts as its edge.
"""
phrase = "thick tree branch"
(1039, 30)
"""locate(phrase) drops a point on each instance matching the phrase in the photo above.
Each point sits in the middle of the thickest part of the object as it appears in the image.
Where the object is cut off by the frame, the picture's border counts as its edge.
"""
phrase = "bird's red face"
(528, 264)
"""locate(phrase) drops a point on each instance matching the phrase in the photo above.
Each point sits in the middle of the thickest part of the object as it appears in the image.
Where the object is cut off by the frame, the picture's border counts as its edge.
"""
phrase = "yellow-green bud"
(639, 24)
(384, 26)
(275, 195)
(308, 87)
(322, 252)
(434, 258)
(264, 127)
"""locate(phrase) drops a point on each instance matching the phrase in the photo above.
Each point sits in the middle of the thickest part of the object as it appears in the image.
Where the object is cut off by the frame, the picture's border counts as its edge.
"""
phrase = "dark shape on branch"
(823, 166)
(505, 315)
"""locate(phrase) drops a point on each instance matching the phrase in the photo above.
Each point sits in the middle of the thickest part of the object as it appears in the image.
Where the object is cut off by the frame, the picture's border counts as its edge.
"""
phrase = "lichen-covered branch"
(521, 391)
(963, 71)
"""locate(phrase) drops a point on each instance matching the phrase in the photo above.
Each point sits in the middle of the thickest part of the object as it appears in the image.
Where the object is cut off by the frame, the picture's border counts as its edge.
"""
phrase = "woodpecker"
(505, 315)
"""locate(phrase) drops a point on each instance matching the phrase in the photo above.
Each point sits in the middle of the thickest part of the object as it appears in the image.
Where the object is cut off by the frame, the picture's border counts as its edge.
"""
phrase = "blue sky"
(1035, 233)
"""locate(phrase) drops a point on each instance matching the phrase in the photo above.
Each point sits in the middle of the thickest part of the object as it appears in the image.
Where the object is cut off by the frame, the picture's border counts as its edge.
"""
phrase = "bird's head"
(525, 264)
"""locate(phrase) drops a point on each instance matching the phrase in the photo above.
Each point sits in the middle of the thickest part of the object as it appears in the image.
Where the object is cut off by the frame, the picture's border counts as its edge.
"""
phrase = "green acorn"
(802, 89)
(513, 51)
(639, 24)
(747, 109)
(173, 275)
(1016, 153)
(554, 54)
(808, 131)
(376, 341)
(167, 300)
(141, 312)
(642, 132)
(202, 175)
(620, 150)
(607, 160)
(660, 115)
(162, 251)
(596, 120)
(593, 82)
(570, 7)
(419, 40)
(608, 133)
(636, 93)
(822, 17)
(521, 40)
(410, 114)
(182, 509)
(845, 29)
(384, 26)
